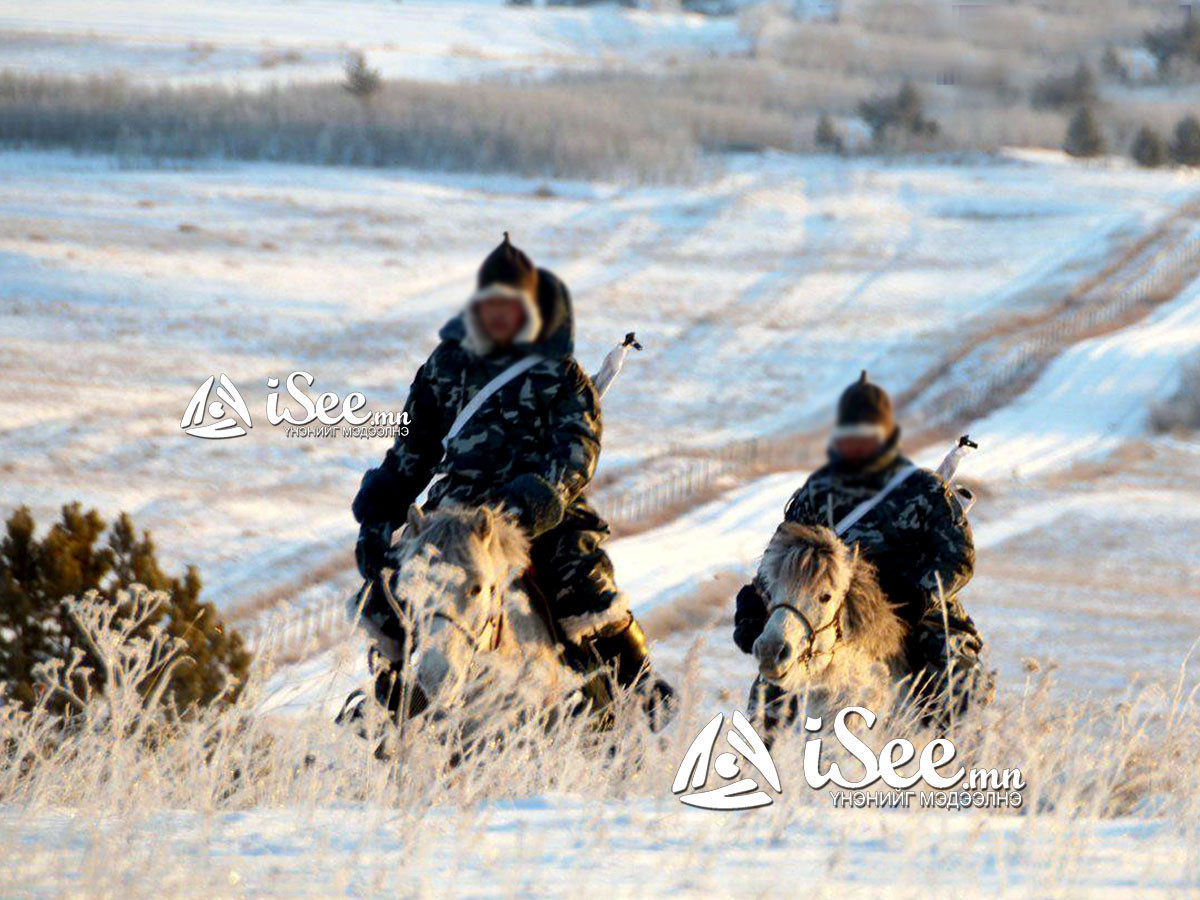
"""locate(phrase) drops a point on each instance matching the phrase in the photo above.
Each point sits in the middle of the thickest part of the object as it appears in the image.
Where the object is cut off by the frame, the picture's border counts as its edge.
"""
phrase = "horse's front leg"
(770, 709)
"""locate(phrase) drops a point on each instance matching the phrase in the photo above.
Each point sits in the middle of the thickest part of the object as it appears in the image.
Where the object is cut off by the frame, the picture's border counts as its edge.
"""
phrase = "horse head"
(806, 573)
(454, 567)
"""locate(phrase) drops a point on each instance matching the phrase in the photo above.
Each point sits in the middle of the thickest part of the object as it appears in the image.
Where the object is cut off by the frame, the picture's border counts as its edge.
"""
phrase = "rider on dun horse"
(916, 536)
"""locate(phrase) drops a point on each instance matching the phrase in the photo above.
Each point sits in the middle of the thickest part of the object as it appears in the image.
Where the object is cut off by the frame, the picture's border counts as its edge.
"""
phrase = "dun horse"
(831, 637)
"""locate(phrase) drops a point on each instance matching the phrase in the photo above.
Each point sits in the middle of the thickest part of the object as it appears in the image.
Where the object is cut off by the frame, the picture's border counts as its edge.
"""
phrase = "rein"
(811, 651)
(493, 628)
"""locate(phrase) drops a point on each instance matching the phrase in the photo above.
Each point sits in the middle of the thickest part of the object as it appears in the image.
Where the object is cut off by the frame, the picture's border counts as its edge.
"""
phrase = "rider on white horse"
(530, 447)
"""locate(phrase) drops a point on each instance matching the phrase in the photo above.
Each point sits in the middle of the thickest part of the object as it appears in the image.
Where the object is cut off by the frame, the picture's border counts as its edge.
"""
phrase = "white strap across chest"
(855, 515)
(476, 403)
(524, 364)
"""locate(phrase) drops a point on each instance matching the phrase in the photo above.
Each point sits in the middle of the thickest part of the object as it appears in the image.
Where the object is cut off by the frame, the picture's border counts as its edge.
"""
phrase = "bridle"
(811, 650)
(492, 631)
(493, 627)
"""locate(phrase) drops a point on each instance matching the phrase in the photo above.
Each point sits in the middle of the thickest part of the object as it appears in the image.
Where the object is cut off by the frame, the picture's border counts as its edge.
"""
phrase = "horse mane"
(799, 555)
(872, 621)
(451, 528)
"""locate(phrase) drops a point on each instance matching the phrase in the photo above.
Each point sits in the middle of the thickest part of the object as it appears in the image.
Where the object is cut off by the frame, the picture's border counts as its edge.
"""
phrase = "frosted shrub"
(125, 746)
(1181, 411)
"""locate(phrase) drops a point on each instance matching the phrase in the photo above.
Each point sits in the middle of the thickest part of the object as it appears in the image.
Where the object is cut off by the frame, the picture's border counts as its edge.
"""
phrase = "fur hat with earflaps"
(865, 410)
(506, 273)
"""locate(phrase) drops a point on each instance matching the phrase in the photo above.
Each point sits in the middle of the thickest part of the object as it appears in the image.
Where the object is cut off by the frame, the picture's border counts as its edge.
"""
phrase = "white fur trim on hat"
(860, 430)
(478, 342)
(497, 291)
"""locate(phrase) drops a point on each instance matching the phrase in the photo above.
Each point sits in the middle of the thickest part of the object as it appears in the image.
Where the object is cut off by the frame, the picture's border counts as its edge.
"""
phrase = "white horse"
(474, 638)
(831, 638)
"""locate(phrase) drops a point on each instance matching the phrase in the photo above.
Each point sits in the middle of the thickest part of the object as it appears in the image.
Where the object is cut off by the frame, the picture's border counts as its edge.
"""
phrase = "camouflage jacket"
(533, 445)
(918, 538)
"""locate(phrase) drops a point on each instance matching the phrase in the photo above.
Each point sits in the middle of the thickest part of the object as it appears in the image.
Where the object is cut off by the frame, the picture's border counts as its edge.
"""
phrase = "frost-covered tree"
(36, 628)
(1185, 144)
(1084, 137)
(1148, 150)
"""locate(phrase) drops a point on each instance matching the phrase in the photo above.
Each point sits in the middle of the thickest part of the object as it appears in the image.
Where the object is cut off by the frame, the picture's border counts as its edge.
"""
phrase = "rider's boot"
(622, 648)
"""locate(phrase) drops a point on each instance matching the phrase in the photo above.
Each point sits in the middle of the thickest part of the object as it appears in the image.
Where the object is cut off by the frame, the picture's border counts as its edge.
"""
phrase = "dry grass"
(136, 781)
(322, 571)
(704, 607)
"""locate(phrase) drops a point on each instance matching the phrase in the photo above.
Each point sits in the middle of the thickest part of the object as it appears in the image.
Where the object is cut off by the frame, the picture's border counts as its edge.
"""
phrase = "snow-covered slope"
(256, 42)
(1097, 395)
(758, 293)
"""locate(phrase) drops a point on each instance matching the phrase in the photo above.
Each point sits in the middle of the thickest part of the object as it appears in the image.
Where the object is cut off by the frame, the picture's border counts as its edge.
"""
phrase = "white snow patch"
(1095, 396)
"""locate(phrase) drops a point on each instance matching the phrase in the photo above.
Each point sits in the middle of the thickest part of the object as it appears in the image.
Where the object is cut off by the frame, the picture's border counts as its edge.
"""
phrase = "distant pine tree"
(1076, 88)
(361, 81)
(1084, 137)
(1174, 42)
(1148, 150)
(903, 112)
(827, 136)
(1185, 145)
(1113, 66)
(36, 576)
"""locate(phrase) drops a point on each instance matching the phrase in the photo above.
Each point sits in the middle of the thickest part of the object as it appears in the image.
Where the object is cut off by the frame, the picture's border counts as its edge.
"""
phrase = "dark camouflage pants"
(573, 570)
(944, 654)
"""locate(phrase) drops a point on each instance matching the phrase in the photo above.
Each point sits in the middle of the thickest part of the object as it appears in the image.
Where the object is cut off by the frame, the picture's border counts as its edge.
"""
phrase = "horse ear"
(416, 519)
(482, 524)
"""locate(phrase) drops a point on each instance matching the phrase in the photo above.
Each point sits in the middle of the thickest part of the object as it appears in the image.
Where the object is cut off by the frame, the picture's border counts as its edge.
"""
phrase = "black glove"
(535, 502)
(382, 495)
(372, 552)
(750, 618)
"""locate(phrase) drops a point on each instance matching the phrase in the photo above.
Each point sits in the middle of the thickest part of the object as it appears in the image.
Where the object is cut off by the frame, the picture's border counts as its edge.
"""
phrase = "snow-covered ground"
(758, 293)
(275, 41)
(560, 847)
(1095, 396)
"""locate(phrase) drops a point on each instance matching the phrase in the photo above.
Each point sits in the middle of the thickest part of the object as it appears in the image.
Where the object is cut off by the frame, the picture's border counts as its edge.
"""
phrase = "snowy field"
(758, 294)
(759, 291)
(277, 41)
(559, 847)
